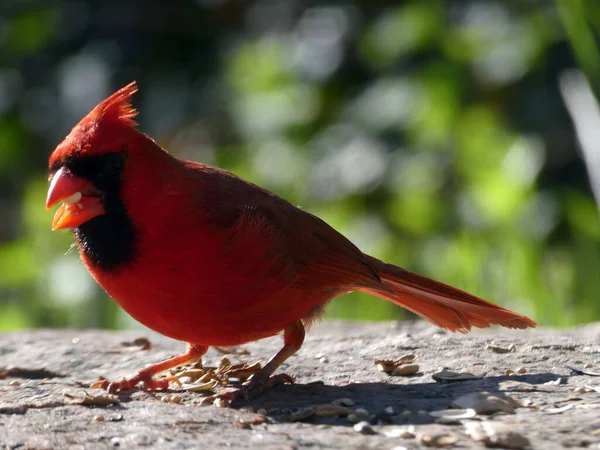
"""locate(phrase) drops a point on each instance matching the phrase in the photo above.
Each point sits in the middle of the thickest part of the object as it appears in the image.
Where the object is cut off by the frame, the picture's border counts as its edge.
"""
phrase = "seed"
(361, 412)
(224, 362)
(221, 403)
(438, 440)
(329, 410)
(343, 402)
(200, 387)
(445, 376)
(364, 428)
(404, 371)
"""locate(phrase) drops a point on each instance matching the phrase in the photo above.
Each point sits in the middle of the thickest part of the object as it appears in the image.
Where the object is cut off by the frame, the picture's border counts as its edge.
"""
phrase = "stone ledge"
(44, 410)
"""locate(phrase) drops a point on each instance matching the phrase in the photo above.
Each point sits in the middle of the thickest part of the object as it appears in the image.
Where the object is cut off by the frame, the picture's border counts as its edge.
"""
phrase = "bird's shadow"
(410, 403)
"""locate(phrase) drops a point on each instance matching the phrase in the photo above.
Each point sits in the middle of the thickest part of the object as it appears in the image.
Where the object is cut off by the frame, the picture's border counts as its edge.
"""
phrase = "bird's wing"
(298, 247)
(263, 235)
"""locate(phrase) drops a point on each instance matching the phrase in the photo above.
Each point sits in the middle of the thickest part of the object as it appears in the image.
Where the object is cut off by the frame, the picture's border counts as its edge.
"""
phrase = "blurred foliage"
(432, 133)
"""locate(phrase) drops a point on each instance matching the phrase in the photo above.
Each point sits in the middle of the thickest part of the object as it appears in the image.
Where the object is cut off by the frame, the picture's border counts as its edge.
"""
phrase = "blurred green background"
(459, 139)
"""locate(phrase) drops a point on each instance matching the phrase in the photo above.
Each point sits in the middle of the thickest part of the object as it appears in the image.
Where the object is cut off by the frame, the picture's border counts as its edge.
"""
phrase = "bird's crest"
(90, 135)
(117, 107)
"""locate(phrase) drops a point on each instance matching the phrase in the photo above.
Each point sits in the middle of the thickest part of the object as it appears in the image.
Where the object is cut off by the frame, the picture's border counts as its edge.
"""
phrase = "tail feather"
(440, 304)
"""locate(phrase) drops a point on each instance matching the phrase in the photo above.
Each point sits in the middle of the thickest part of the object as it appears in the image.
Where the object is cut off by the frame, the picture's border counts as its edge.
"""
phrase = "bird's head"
(86, 167)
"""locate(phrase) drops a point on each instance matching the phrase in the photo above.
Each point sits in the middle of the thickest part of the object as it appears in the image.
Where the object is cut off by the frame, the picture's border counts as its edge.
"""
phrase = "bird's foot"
(257, 385)
(143, 377)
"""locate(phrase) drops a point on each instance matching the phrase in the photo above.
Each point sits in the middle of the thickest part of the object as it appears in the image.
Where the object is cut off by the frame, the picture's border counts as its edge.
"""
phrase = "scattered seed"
(221, 403)
(15, 383)
(192, 374)
(436, 440)
(364, 428)
(297, 414)
(446, 376)
(330, 410)
(93, 400)
(559, 410)
(98, 418)
(200, 387)
(75, 340)
(31, 374)
(389, 365)
(209, 376)
(584, 371)
(493, 348)
(521, 370)
(324, 359)
(142, 343)
(240, 371)
(404, 371)
(401, 432)
(495, 434)
(242, 424)
(343, 402)
(588, 366)
(224, 363)
(485, 403)
(556, 382)
(175, 398)
(361, 412)
(453, 416)
(509, 372)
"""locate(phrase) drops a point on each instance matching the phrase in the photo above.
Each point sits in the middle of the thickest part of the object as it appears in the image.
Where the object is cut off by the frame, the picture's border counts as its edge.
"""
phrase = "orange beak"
(81, 201)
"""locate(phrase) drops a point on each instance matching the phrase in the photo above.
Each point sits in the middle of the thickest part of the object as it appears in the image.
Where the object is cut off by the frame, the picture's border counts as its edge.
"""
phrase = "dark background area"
(459, 139)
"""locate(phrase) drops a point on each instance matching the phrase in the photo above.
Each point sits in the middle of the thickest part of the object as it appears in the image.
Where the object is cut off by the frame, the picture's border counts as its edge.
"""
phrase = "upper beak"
(79, 205)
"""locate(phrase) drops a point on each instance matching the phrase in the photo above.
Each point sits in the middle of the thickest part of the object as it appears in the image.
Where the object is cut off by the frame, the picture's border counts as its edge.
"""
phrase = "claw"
(258, 384)
(143, 378)
(253, 389)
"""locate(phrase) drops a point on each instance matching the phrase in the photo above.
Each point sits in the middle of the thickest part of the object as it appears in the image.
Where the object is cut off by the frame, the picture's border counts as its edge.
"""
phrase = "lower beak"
(78, 205)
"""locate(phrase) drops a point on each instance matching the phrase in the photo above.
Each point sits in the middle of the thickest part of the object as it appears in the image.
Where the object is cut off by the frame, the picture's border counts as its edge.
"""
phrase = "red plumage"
(202, 256)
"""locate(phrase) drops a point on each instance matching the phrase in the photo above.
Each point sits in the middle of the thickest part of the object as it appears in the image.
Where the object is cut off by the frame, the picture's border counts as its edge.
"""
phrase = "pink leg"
(146, 375)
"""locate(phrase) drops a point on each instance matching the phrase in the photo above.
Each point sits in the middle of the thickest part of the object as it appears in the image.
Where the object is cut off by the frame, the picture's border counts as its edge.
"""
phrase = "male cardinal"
(202, 256)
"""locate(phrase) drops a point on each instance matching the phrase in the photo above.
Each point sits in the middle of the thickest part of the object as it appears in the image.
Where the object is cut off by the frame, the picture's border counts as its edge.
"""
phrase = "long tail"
(440, 304)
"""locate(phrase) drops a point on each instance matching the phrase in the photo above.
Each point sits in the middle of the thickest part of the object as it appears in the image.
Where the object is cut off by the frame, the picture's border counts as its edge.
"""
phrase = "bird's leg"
(146, 375)
(293, 337)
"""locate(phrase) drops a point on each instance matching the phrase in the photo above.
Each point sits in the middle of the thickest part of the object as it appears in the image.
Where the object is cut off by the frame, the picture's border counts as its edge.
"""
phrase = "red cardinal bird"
(202, 256)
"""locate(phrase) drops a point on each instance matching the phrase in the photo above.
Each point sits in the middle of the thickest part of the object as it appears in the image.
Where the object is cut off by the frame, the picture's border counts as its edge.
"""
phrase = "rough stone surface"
(40, 410)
